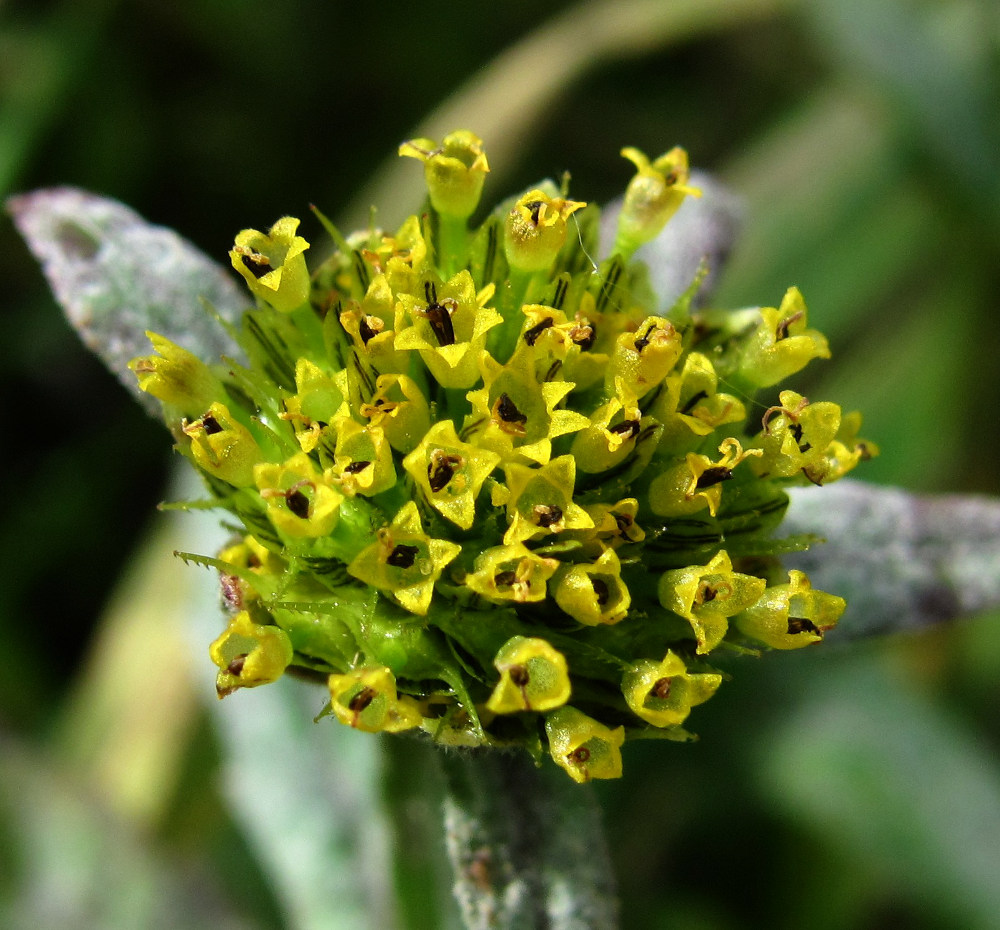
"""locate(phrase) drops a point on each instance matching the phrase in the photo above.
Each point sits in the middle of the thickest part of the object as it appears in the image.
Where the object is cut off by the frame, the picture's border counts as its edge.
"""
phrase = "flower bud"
(176, 376)
(653, 195)
(454, 171)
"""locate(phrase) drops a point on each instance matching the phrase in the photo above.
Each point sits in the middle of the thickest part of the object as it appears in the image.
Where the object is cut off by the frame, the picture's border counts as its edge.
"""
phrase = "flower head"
(476, 475)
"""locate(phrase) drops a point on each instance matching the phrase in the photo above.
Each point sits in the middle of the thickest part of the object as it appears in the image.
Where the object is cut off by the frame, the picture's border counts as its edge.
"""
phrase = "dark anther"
(714, 475)
(531, 336)
(507, 410)
(708, 594)
(796, 430)
(258, 264)
(629, 427)
(402, 556)
(370, 327)
(643, 340)
(235, 667)
(504, 579)
(601, 590)
(624, 522)
(801, 625)
(547, 514)
(578, 756)
(671, 178)
(534, 206)
(361, 700)
(782, 331)
(442, 469)
(661, 689)
(519, 675)
(439, 318)
(298, 504)
(355, 467)
(210, 424)
(583, 334)
(690, 405)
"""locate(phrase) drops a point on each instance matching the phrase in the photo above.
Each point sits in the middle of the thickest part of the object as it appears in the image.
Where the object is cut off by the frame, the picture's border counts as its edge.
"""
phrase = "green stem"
(453, 243)
(526, 844)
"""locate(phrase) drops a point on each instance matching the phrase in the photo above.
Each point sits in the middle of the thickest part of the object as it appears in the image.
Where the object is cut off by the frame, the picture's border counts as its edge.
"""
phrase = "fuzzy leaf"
(902, 561)
(116, 276)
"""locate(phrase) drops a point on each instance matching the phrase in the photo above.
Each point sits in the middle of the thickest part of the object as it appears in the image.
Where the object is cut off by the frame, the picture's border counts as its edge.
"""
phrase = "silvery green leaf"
(902, 561)
(115, 275)
(703, 229)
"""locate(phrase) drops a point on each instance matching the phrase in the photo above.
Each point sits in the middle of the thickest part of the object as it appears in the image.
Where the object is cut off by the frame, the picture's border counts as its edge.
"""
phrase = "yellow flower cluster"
(487, 491)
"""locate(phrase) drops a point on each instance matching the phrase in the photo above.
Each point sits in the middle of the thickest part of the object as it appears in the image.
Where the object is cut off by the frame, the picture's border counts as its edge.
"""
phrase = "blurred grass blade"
(68, 861)
(903, 562)
(507, 99)
(910, 796)
(41, 68)
(116, 276)
(938, 69)
(308, 798)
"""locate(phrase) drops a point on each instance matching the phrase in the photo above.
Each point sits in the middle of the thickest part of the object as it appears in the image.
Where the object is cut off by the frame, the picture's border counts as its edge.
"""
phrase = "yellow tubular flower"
(367, 699)
(447, 325)
(689, 407)
(273, 264)
(642, 359)
(535, 230)
(517, 416)
(541, 500)
(581, 746)
(533, 676)
(782, 344)
(223, 446)
(249, 654)
(300, 501)
(594, 593)
(663, 693)
(176, 377)
(511, 574)
(450, 472)
(398, 407)
(454, 171)
(706, 595)
(404, 561)
(653, 196)
(789, 616)
(696, 483)
(363, 459)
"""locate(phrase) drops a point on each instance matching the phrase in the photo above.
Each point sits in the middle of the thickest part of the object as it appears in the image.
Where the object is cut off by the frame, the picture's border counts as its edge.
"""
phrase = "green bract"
(485, 490)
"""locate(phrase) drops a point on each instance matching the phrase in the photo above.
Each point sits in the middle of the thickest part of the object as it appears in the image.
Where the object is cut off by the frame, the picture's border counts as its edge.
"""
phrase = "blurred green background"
(846, 787)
